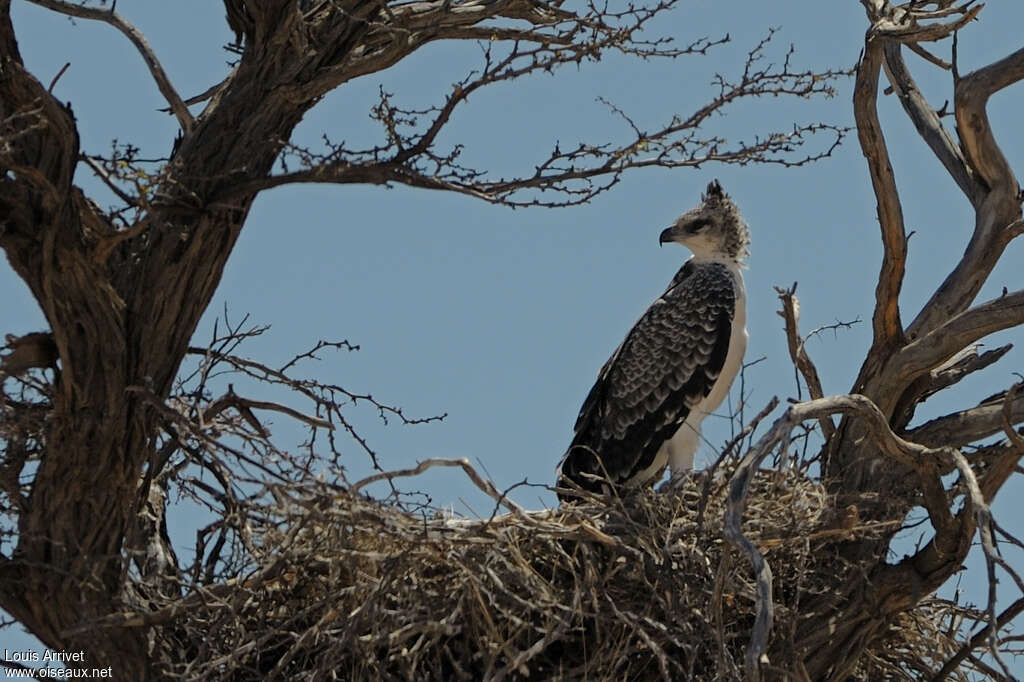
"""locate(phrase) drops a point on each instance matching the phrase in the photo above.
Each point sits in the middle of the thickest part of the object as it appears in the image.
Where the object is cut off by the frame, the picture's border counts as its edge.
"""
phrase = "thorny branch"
(216, 452)
(410, 155)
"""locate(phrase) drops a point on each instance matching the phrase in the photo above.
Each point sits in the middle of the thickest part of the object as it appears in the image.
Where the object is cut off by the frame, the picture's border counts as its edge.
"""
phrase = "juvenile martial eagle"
(675, 365)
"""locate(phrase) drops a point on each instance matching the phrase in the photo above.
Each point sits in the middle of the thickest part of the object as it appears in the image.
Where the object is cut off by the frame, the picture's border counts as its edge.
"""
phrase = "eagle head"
(713, 229)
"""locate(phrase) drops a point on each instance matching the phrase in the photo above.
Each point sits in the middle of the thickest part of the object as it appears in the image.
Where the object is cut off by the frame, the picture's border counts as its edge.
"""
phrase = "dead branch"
(109, 16)
(232, 399)
(577, 173)
(959, 331)
(970, 425)
(928, 124)
(463, 463)
(979, 639)
(1000, 208)
(790, 314)
(971, 99)
(960, 366)
(888, 329)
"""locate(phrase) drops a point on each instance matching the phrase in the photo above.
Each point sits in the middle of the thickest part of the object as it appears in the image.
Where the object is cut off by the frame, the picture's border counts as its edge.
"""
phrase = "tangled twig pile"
(350, 588)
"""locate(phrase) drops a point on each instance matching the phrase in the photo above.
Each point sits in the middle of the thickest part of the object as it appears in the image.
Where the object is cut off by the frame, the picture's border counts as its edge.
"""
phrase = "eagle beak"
(667, 235)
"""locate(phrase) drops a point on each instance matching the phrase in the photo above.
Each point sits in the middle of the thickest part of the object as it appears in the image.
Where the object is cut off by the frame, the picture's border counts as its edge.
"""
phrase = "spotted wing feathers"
(666, 365)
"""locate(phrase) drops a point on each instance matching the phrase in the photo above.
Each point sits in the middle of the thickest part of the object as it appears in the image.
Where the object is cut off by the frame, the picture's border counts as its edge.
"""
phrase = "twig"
(978, 639)
(56, 78)
(232, 399)
(983, 520)
(709, 473)
(104, 176)
(486, 486)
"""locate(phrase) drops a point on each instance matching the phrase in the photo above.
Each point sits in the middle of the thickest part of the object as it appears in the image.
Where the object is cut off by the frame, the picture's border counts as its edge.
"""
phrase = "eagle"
(675, 365)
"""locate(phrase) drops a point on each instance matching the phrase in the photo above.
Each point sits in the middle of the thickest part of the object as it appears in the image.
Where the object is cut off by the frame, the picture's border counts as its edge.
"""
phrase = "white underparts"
(678, 451)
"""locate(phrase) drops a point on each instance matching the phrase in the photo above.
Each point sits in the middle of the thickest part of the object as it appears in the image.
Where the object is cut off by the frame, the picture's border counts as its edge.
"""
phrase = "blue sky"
(502, 318)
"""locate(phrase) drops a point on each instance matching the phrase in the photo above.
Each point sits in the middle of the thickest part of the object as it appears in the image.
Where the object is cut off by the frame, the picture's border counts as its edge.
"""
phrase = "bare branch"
(978, 640)
(958, 332)
(960, 366)
(907, 23)
(104, 176)
(971, 98)
(574, 174)
(983, 521)
(998, 212)
(139, 41)
(463, 463)
(971, 425)
(790, 313)
(928, 124)
(888, 329)
(56, 78)
(232, 399)
(925, 461)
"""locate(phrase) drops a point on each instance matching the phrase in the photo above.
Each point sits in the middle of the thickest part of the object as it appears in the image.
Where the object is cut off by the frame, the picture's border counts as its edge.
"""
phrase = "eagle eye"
(699, 224)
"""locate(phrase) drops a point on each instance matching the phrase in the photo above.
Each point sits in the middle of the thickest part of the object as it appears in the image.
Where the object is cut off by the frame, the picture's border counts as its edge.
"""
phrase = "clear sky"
(502, 318)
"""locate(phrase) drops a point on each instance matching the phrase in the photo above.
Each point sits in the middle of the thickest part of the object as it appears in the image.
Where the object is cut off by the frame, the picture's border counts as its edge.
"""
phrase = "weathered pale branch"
(998, 211)
(928, 124)
(971, 99)
(983, 522)
(109, 16)
(462, 463)
(961, 365)
(958, 332)
(790, 314)
(906, 22)
(886, 324)
(970, 425)
(925, 461)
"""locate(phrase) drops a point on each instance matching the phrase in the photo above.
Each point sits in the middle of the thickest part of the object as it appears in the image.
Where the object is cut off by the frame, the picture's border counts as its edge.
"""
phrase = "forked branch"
(926, 462)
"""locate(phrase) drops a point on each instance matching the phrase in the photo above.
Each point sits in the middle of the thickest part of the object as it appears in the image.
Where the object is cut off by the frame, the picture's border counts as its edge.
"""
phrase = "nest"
(639, 588)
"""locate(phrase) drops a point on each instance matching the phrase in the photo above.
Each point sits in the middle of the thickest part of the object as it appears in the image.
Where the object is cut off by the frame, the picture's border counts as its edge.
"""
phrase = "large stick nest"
(638, 588)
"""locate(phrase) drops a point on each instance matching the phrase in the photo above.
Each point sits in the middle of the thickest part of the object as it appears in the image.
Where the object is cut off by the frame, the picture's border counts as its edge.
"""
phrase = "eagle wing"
(666, 365)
